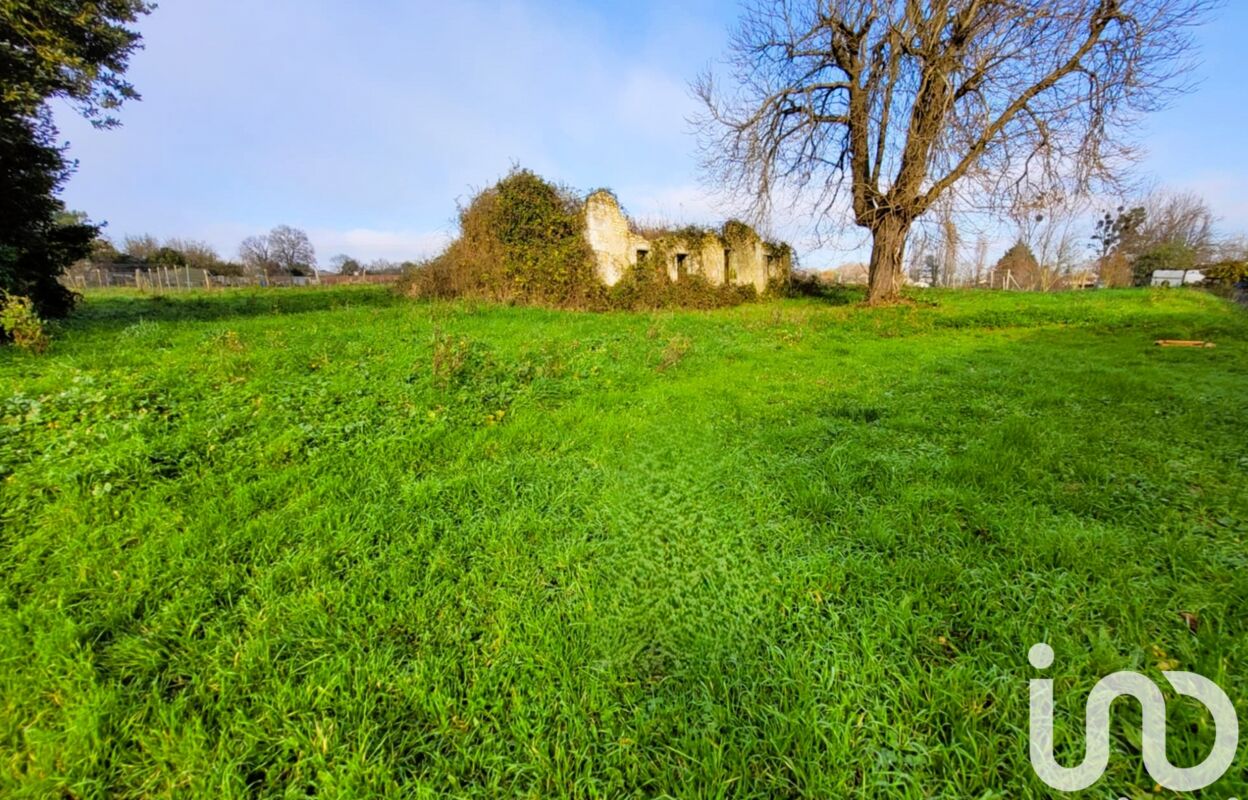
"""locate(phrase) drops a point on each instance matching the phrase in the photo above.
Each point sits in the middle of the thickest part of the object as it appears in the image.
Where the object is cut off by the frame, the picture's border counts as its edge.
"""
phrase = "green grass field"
(334, 543)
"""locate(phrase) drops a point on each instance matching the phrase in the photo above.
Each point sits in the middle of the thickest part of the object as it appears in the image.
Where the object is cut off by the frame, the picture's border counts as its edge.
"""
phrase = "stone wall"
(737, 255)
(615, 246)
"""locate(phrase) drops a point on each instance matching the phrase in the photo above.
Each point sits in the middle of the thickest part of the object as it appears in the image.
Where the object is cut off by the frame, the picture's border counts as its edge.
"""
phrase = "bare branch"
(896, 102)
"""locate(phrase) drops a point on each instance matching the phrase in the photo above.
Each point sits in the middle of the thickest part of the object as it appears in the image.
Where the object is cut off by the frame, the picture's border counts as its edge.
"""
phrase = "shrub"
(1226, 273)
(646, 288)
(21, 324)
(432, 279)
(1228, 279)
(796, 284)
(520, 240)
(226, 269)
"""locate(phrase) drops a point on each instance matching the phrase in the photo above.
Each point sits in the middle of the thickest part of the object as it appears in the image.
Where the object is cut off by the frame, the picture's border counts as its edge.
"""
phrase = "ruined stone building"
(736, 254)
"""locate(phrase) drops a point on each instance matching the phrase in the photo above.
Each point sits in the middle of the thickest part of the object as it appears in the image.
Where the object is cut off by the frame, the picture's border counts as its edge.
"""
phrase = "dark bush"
(38, 239)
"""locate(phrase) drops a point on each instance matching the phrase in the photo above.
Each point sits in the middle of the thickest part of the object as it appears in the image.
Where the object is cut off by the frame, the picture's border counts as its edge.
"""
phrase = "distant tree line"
(344, 264)
(1127, 245)
(1059, 243)
(146, 251)
(283, 251)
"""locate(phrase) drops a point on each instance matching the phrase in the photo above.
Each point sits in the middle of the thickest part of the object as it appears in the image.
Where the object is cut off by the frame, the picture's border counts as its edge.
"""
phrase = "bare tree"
(256, 255)
(894, 102)
(197, 255)
(292, 250)
(918, 247)
(950, 242)
(283, 249)
(981, 260)
(1232, 249)
(1182, 219)
(344, 264)
(1047, 223)
(141, 247)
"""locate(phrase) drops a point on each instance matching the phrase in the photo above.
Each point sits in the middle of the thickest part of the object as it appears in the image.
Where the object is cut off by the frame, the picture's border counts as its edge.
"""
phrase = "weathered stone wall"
(606, 229)
(739, 256)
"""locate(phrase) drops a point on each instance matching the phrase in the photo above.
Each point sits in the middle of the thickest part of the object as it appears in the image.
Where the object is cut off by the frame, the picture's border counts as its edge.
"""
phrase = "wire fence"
(161, 278)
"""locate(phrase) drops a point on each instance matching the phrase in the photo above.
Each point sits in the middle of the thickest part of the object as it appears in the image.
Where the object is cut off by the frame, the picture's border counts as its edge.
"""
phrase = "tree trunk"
(888, 244)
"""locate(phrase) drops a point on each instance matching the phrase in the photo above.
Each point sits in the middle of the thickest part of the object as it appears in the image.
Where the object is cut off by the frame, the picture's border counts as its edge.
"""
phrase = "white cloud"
(366, 244)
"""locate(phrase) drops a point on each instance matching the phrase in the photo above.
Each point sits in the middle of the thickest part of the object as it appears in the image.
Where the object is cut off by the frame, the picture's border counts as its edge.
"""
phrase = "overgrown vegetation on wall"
(648, 286)
(523, 241)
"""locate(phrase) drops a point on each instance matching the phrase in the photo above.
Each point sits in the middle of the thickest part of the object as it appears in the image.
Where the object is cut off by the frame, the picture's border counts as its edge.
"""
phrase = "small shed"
(1177, 277)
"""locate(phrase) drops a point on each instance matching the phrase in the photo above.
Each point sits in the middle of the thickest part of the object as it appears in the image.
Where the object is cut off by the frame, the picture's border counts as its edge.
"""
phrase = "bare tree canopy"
(292, 250)
(283, 249)
(255, 254)
(344, 264)
(1183, 219)
(888, 104)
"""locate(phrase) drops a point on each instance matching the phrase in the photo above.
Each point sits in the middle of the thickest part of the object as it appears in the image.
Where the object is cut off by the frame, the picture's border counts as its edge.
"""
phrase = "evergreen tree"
(73, 50)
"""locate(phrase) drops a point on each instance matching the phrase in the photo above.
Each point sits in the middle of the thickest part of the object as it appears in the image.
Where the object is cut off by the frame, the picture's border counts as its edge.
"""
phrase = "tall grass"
(332, 543)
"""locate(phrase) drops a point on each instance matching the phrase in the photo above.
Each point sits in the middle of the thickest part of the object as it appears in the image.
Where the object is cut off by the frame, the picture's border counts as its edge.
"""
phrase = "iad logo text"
(1132, 684)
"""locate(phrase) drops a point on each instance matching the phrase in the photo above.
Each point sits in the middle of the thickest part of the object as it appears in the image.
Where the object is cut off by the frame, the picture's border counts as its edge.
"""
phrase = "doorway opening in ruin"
(727, 265)
(641, 256)
(681, 269)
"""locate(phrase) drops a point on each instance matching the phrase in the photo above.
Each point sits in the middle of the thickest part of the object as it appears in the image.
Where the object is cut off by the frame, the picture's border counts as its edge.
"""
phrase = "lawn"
(289, 543)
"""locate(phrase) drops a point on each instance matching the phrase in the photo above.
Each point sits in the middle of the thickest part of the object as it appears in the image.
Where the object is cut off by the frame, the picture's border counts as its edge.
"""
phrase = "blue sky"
(364, 122)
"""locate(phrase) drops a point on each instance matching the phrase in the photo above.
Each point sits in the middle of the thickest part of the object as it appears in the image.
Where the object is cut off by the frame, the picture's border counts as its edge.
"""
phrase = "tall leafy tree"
(71, 50)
